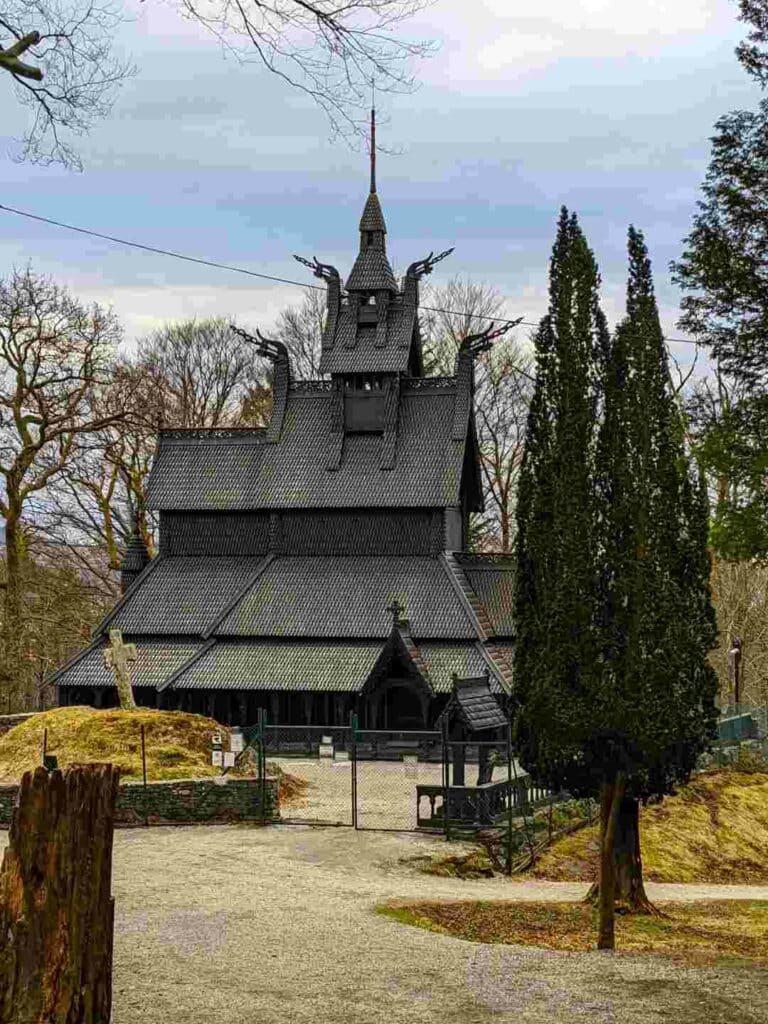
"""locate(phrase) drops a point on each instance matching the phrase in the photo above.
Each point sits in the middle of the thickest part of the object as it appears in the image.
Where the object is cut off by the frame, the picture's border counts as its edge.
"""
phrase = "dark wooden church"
(317, 566)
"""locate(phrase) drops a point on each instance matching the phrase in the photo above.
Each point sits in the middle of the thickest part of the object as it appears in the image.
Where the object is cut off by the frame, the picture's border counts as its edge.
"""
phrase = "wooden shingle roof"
(473, 703)
(200, 472)
(263, 664)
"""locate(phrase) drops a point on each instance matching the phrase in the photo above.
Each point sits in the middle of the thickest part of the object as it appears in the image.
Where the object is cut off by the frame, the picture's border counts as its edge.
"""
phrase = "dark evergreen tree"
(560, 697)
(614, 695)
(655, 610)
(724, 273)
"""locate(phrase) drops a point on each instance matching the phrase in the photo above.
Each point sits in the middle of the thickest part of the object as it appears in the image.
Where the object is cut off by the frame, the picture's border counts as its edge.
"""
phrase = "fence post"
(261, 763)
(446, 782)
(144, 776)
(353, 730)
(143, 758)
(734, 670)
(509, 798)
(44, 973)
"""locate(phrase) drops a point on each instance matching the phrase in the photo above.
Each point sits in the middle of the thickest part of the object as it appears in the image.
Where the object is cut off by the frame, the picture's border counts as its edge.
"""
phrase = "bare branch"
(73, 79)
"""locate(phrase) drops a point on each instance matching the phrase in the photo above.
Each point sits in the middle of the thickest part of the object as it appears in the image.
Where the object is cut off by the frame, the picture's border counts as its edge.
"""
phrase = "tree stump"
(56, 908)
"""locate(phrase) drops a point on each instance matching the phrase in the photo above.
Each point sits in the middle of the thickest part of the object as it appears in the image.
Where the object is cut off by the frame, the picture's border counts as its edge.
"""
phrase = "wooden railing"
(478, 805)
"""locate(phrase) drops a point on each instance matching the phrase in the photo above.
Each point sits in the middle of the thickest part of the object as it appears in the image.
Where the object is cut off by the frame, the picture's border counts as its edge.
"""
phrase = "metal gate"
(387, 780)
(314, 768)
(340, 775)
(388, 771)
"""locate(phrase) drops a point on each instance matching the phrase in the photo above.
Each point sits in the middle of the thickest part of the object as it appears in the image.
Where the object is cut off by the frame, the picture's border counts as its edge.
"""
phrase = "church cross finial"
(395, 610)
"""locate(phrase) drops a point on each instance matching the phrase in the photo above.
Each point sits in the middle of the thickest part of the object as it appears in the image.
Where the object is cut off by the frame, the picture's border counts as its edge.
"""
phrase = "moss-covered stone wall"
(181, 801)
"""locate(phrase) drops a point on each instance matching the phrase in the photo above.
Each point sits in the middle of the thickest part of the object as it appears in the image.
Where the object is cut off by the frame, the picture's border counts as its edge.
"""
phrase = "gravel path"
(276, 926)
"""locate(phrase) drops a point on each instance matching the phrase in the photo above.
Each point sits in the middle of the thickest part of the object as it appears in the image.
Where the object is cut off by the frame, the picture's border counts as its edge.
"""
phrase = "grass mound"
(723, 932)
(177, 744)
(714, 830)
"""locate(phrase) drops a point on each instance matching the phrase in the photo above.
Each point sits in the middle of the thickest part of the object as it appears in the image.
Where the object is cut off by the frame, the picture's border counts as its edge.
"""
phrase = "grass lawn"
(718, 933)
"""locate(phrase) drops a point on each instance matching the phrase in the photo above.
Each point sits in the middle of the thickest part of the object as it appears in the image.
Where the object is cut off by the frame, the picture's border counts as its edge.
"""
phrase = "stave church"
(318, 566)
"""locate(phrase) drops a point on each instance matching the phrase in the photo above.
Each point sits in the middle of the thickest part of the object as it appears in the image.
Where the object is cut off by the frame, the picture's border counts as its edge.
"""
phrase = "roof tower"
(372, 272)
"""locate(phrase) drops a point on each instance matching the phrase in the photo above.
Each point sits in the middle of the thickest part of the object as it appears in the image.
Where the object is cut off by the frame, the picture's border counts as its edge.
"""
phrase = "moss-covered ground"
(177, 745)
(714, 830)
(719, 933)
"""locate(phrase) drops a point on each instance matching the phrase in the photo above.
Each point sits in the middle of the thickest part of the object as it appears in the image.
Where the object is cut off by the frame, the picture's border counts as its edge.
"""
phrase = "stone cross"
(116, 658)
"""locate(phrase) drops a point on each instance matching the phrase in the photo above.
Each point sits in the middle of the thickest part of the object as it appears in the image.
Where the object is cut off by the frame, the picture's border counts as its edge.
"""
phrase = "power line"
(163, 252)
(254, 273)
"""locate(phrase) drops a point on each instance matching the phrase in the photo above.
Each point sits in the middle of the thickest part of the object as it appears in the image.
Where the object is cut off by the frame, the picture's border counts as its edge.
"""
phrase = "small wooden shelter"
(472, 714)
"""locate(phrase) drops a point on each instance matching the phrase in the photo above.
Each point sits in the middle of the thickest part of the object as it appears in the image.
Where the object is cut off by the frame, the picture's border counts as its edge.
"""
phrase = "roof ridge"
(75, 659)
(260, 569)
(130, 591)
(187, 664)
(455, 575)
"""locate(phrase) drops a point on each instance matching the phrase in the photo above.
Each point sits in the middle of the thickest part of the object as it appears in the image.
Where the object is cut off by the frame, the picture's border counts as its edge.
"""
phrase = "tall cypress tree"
(559, 687)
(614, 694)
(656, 615)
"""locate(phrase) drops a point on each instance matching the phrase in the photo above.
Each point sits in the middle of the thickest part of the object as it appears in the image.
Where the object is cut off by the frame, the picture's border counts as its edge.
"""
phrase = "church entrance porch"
(403, 709)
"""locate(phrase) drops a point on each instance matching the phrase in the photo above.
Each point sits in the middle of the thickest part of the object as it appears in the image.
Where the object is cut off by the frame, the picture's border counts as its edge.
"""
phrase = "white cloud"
(140, 310)
(495, 40)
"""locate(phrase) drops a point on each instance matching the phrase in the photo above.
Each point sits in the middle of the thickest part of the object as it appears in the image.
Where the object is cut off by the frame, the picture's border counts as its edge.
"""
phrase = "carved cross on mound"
(116, 658)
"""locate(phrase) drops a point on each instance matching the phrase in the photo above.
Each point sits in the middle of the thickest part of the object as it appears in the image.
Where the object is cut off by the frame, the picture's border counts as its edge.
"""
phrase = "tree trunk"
(13, 676)
(612, 794)
(56, 911)
(629, 893)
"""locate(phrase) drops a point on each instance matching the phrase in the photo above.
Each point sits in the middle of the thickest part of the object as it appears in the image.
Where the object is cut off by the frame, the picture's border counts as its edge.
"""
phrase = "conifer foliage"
(614, 694)
(556, 656)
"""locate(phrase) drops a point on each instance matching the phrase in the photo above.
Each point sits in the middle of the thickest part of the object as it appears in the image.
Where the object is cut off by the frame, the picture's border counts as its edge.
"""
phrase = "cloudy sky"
(601, 106)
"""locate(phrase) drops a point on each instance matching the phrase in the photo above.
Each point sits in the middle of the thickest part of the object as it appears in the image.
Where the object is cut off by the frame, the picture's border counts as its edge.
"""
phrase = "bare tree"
(740, 597)
(91, 508)
(61, 602)
(53, 352)
(300, 328)
(503, 392)
(196, 374)
(190, 374)
(59, 55)
(329, 49)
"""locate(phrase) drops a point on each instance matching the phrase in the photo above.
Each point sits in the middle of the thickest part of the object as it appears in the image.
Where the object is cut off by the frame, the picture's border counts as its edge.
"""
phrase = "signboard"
(216, 758)
(236, 742)
(229, 759)
(411, 765)
(217, 739)
(325, 749)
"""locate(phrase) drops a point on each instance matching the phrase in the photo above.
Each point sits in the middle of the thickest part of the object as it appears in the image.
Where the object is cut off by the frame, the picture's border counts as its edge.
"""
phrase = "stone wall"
(8, 721)
(181, 801)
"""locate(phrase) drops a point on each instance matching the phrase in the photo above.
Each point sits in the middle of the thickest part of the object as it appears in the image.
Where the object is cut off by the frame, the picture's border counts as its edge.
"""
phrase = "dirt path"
(276, 925)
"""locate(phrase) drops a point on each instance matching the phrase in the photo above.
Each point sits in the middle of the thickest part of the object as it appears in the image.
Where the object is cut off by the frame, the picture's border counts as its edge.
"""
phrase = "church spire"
(373, 149)
(372, 271)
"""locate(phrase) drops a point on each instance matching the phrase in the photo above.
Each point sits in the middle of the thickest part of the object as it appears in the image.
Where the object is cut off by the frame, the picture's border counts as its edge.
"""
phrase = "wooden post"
(734, 669)
(56, 910)
(143, 758)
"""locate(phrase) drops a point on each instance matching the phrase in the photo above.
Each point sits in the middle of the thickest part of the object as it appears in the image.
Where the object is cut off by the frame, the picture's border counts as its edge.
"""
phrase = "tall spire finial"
(373, 149)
